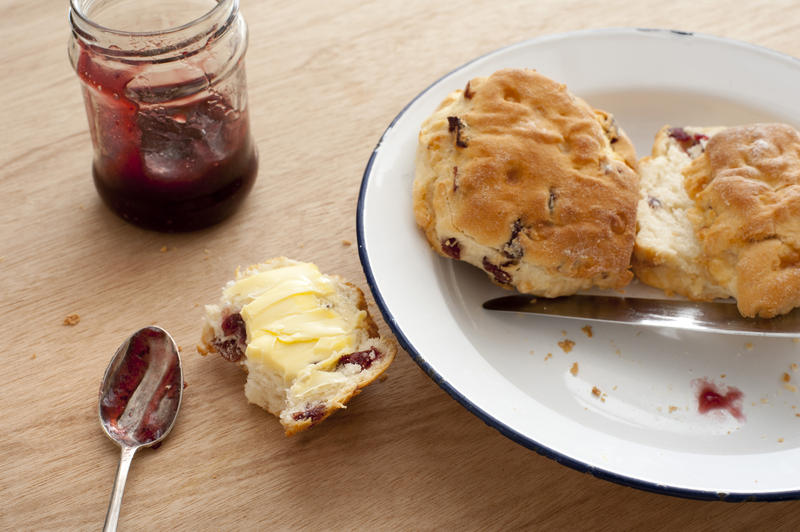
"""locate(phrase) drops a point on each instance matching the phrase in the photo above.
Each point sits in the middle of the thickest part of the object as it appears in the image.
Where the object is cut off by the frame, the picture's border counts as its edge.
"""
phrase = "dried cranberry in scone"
(305, 338)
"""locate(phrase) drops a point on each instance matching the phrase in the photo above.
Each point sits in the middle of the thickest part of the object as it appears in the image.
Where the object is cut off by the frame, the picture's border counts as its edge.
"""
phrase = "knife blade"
(719, 317)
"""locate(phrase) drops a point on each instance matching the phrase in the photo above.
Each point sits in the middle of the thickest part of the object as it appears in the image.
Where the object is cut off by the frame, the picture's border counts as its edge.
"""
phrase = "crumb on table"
(346, 243)
(72, 320)
(164, 249)
(202, 349)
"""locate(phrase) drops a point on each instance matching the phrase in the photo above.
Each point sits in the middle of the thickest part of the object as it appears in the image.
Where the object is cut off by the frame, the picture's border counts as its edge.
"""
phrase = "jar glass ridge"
(167, 108)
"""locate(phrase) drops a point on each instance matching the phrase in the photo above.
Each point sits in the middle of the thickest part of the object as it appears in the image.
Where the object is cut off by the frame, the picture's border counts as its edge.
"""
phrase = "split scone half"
(668, 254)
(306, 339)
(735, 230)
(522, 179)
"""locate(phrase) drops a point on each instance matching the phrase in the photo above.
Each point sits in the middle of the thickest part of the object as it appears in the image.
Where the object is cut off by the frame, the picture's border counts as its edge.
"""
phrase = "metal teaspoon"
(139, 400)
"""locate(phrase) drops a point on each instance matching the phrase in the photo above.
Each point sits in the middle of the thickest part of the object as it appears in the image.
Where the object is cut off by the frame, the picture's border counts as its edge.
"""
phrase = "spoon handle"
(112, 516)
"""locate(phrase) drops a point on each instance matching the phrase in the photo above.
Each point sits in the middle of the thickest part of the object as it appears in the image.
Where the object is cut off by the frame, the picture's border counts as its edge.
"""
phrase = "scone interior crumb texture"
(306, 340)
(668, 254)
(719, 216)
(522, 179)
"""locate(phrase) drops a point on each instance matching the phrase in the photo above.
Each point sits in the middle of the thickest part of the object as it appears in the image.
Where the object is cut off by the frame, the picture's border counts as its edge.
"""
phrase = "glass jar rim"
(75, 9)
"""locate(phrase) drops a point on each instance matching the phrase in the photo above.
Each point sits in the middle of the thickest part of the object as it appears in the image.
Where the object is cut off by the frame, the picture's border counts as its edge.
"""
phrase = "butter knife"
(719, 317)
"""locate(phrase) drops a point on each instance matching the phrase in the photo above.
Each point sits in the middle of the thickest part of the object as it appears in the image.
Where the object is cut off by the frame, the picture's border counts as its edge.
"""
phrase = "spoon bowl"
(139, 400)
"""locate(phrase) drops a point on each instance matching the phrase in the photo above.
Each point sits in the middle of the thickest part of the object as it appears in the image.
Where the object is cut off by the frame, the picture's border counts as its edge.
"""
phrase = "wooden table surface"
(325, 79)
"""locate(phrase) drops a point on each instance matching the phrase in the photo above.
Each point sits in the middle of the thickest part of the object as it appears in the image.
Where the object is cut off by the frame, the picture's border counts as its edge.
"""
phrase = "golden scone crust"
(746, 189)
(519, 177)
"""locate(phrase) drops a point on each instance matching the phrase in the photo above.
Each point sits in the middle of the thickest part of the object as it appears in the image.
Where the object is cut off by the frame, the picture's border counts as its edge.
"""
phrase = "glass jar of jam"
(165, 92)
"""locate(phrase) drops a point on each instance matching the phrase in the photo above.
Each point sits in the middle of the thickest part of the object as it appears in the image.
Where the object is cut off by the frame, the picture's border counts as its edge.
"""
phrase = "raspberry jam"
(147, 364)
(712, 397)
(170, 129)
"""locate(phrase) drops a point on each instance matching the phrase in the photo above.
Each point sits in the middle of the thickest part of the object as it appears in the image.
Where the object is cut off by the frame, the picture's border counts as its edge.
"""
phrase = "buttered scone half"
(741, 221)
(522, 179)
(306, 339)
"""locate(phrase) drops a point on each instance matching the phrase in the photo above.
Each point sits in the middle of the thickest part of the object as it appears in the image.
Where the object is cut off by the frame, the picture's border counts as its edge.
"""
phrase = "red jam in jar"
(168, 117)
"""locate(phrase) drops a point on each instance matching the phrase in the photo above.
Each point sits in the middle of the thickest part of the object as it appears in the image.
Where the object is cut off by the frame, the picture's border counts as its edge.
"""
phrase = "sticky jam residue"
(712, 397)
(142, 417)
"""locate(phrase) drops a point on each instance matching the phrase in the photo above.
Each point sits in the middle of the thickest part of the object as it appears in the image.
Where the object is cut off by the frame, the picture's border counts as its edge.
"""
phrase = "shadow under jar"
(166, 98)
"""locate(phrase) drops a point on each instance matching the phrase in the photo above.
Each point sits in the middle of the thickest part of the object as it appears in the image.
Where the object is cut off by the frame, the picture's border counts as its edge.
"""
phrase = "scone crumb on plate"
(672, 408)
(597, 392)
(72, 320)
(574, 369)
(587, 330)
(566, 345)
(548, 356)
(786, 379)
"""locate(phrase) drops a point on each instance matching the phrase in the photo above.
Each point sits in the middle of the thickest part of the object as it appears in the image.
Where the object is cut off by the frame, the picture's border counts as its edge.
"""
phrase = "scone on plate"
(668, 254)
(522, 179)
(743, 190)
(306, 339)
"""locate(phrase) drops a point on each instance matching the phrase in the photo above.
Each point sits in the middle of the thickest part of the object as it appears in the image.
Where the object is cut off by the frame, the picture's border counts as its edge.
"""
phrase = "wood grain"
(325, 79)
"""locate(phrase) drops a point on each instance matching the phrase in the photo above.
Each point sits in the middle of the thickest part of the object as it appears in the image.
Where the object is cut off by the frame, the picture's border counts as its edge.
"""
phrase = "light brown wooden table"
(325, 79)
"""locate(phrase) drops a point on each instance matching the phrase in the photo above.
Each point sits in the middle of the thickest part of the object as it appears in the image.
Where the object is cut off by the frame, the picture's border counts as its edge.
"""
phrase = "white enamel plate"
(622, 401)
